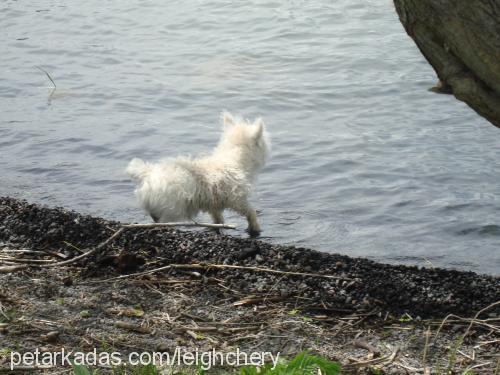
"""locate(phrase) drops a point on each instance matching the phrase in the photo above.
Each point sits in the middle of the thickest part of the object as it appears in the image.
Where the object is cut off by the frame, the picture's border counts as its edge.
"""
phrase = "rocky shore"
(157, 288)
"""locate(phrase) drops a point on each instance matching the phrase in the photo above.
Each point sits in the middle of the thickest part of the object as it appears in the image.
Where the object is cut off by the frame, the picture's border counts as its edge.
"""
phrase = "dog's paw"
(216, 230)
(253, 232)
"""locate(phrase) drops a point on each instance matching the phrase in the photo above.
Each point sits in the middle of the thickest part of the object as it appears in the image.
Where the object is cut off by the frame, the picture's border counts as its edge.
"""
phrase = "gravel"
(361, 285)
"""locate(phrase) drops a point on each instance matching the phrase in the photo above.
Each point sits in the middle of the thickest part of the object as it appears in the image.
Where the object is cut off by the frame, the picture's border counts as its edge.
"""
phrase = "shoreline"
(281, 296)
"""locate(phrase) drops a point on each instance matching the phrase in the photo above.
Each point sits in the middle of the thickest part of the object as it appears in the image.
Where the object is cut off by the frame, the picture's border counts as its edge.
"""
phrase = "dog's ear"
(227, 119)
(260, 128)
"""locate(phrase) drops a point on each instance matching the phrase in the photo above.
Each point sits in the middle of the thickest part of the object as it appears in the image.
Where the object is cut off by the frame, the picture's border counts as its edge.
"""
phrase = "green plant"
(405, 318)
(452, 359)
(85, 314)
(145, 370)
(8, 316)
(5, 352)
(302, 364)
(136, 370)
(81, 370)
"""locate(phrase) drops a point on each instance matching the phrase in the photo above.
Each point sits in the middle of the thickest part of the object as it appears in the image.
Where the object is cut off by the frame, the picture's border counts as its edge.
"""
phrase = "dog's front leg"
(217, 217)
(253, 225)
(248, 211)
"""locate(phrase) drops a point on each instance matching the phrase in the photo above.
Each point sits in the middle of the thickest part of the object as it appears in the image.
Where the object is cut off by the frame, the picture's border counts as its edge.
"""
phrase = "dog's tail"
(137, 169)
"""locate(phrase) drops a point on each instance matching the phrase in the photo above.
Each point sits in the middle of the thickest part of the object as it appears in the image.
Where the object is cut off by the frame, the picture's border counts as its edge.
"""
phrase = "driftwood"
(461, 40)
(180, 224)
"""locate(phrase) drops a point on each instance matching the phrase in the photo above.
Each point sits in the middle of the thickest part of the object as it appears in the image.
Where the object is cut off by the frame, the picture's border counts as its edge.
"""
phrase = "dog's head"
(252, 138)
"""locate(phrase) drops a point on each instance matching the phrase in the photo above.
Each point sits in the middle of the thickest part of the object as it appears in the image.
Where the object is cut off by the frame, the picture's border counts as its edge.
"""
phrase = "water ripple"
(365, 160)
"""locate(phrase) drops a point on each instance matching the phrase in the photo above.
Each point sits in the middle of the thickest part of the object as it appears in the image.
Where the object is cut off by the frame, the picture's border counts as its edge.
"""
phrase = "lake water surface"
(366, 161)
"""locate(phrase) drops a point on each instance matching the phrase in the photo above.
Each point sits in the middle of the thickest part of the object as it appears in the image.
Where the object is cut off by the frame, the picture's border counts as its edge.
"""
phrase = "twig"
(164, 281)
(2, 312)
(413, 370)
(426, 347)
(484, 343)
(259, 269)
(193, 335)
(23, 251)
(467, 370)
(216, 266)
(465, 355)
(73, 246)
(122, 277)
(199, 329)
(47, 74)
(132, 327)
(27, 261)
(367, 346)
(386, 360)
(180, 224)
(477, 315)
(472, 321)
(194, 317)
(9, 269)
(256, 300)
(88, 253)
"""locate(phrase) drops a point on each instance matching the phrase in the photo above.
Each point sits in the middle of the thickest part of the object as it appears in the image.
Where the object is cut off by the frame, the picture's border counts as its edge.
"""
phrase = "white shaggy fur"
(177, 189)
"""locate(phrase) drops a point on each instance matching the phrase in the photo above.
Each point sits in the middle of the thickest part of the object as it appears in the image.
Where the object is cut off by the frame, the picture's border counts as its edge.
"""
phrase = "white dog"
(176, 189)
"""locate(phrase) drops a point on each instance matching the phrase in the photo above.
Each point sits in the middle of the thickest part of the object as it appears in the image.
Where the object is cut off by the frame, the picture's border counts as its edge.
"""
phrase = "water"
(366, 161)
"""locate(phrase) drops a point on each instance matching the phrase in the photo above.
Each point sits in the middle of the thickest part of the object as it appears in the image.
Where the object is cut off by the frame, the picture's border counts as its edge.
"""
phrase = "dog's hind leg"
(155, 218)
(217, 218)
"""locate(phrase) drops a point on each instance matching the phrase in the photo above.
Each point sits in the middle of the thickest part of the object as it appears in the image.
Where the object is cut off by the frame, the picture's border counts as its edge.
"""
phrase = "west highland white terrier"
(177, 189)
